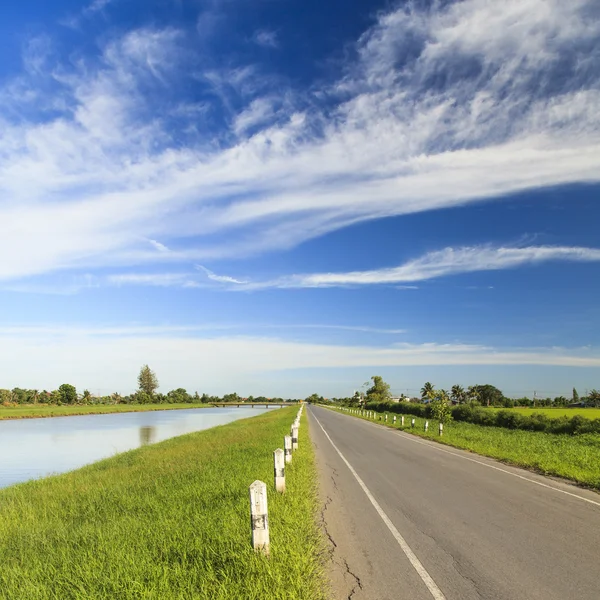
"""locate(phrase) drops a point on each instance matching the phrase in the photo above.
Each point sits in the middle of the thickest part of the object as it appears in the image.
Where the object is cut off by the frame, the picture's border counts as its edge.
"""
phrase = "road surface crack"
(328, 501)
(357, 585)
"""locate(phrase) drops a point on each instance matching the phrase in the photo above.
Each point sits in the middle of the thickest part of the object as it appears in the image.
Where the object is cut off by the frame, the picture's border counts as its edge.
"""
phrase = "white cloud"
(153, 279)
(258, 113)
(266, 38)
(85, 357)
(220, 278)
(160, 247)
(441, 263)
(451, 118)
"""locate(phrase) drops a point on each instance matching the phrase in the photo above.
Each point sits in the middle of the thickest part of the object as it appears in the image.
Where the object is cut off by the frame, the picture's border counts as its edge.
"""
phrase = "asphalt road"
(428, 521)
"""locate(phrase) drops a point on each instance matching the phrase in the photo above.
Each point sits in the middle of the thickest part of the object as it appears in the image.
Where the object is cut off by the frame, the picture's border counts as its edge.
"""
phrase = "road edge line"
(443, 448)
(414, 561)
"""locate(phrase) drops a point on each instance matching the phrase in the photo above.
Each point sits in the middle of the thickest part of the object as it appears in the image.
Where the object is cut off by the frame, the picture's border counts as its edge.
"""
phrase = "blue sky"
(279, 197)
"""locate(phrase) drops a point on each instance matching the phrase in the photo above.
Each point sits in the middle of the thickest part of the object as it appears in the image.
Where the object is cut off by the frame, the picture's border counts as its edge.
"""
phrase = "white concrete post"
(279, 470)
(287, 448)
(394, 420)
(402, 420)
(426, 425)
(412, 423)
(259, 517)
(441, 428)
(386, 417)
(294, 438)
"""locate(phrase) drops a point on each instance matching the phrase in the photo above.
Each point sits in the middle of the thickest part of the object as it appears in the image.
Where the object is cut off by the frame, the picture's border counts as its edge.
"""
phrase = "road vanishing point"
(410, 518)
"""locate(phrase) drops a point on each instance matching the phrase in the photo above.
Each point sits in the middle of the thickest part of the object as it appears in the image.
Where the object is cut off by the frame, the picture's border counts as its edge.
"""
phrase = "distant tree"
(457, 394)
(86, 396)
(231, 397)
(473, 395)
(426, 390)
(314, 399)
(147, 380)
(178, 396)
(116, 398)
(440, 405)
(67, 393)
(141, 397)
(575, 397)
(379, 391)
(20, 395)
(488, 394)
(594, 398)
(34, 396)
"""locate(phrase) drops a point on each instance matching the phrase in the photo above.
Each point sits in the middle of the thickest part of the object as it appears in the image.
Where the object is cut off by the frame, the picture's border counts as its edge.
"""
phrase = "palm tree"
(473, 393)
(457, 393)
(426, 390)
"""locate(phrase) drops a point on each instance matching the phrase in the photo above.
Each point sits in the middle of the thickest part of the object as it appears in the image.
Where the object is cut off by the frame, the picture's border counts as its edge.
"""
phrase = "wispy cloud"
(220, 278)
(83, 357)
(266, 38)
(441, 263)
(153, 279)
(488, 100)
(160, 247)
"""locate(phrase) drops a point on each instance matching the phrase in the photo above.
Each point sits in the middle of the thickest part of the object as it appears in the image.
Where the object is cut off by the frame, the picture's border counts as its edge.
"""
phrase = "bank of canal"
(169, 521)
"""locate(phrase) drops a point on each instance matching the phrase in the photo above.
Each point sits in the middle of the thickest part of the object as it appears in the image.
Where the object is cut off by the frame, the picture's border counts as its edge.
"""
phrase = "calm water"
(32, 448)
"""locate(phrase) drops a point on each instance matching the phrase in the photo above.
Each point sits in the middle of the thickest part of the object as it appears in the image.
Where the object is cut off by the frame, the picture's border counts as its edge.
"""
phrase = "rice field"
(554, 413)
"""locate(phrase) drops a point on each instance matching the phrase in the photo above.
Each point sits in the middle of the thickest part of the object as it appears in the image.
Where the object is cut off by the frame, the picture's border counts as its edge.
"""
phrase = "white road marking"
(415, 562)
(435, 446)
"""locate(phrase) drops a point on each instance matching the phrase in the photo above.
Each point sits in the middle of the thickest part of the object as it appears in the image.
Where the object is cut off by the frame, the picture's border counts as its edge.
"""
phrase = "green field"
(555, 413)
(35, 411)
(575, 457)
(168, 521)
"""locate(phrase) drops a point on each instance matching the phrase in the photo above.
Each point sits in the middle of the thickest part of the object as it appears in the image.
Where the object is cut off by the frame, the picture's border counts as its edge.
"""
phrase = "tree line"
(147, 393)
(474, 395)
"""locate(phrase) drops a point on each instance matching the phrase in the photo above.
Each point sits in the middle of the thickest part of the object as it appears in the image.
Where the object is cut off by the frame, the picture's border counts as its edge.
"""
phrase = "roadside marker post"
(441, 428)
(287, 448)
(386, 417)
(426, 425)
(402, 420)
(279, 470)
(259, 517)
(412, 423)
(294, 438)
(394, 420)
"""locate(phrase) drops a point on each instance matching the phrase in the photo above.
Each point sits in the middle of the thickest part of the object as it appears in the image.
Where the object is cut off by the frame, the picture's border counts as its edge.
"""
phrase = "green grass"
(168, 521)
(555, 413)
(34, 411)
(574, 457)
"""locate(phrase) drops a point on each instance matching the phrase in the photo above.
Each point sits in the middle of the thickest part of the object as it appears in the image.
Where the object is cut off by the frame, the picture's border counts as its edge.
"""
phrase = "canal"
(33, 448)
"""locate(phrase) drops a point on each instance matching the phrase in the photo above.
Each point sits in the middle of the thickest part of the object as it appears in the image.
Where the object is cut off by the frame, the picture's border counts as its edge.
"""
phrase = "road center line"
(414, 561)
(435, 446)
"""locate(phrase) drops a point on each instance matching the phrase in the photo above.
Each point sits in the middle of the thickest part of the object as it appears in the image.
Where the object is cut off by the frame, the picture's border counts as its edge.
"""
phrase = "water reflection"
(32, 448)
(147, 435)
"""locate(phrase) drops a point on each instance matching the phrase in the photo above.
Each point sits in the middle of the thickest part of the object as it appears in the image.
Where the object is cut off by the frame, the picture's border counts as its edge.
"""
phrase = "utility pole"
(534, 393)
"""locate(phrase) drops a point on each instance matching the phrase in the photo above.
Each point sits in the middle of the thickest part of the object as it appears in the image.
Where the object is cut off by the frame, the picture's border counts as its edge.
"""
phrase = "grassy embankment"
(35, 411)
(167, 521)
(575, 457)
